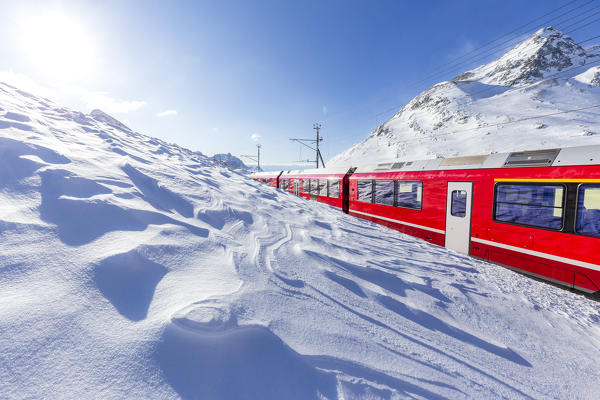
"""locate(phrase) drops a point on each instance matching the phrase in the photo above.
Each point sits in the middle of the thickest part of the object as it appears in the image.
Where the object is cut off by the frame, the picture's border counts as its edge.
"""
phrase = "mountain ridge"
(478, 111)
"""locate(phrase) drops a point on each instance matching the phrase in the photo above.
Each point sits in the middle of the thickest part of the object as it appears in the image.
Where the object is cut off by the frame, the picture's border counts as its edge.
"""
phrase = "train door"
(297, 187)
(458, 216)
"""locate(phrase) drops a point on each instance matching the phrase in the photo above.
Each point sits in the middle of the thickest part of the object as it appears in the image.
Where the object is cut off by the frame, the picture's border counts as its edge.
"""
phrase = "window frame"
(396, 191)
(452, 203)
(314, 188)
(329, 182)
(320, 185)
(564, 204)
(358, 191)
(577, 211)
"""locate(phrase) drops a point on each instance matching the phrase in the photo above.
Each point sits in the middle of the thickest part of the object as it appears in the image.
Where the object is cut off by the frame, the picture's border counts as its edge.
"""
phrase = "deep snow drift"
(132, 268)
(513, 103)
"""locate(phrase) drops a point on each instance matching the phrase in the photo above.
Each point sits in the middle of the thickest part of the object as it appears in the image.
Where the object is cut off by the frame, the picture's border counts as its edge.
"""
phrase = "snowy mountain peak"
(546, 52)
(514, 103)
(101, 116)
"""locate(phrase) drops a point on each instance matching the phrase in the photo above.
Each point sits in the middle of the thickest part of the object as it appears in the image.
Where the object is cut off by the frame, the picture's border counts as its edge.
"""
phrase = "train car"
(326, 185)
(537, 212)
(270, 178)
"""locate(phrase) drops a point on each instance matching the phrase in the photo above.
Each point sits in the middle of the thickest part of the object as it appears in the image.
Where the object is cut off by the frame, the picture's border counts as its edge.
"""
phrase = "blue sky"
(214, 76)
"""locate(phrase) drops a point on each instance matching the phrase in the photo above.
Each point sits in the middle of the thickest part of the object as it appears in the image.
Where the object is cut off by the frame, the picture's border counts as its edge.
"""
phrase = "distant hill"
(230, 161)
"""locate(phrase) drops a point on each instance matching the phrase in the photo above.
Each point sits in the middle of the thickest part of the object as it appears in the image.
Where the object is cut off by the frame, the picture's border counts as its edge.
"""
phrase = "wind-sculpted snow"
(132, 268)
(513, 103)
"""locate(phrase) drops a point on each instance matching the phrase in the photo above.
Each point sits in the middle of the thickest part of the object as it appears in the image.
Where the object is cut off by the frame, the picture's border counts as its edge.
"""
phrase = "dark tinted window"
(306, 185)
(458, 205)
(365, 190)
(284, 184)
(384, 192)
(334, 189)
(410, 195)
(588, 210)
(535, 205)
(322, 187)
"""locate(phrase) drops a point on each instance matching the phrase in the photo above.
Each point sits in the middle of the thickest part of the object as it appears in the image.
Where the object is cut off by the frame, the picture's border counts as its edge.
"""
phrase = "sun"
(58, 46)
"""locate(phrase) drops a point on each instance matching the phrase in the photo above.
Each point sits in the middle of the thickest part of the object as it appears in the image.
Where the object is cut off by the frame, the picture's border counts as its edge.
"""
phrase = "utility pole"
(316, 127)
(256, 158)
(303, 142)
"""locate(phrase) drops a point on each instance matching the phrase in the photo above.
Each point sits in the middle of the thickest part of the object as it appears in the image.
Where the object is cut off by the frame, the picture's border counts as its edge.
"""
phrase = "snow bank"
(133, 268)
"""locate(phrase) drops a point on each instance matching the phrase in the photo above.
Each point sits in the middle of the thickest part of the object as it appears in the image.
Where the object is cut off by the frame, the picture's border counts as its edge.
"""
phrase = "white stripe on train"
(552, 257)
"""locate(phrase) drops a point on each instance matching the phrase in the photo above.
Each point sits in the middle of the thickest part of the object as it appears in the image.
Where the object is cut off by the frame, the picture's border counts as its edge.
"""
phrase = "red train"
(537, 212)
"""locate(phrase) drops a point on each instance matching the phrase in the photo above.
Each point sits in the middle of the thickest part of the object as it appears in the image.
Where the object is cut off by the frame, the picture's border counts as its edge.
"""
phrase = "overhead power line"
(489, 89)
(463, 59)
(316, 141)
(583, 26)
(504, 45)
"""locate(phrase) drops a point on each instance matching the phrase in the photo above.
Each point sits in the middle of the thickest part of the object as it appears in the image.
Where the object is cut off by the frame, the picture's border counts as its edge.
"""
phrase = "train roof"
(317, 171)
(568, 156)
(266, 174)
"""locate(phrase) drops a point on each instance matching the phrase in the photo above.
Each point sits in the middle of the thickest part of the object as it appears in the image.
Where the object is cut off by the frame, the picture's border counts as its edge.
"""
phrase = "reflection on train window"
(384, 192)
(314, 187)
(322, 187)
(365, 191)
(533, 205)
(458, 204)
(306, 185)
(410, 195)
(334, 189)
(588, 210)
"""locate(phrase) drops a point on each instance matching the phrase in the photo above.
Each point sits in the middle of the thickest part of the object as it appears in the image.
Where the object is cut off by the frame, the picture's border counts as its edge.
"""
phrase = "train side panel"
(564, 257)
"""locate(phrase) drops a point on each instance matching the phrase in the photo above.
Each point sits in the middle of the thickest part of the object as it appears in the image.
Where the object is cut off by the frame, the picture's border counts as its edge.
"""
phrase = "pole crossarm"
(255, 158)
(301, 141)
(316, 141)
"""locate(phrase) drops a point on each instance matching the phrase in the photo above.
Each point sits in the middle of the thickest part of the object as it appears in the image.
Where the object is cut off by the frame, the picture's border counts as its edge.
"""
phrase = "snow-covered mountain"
(131, 268)
(512, 103)
(230, 161)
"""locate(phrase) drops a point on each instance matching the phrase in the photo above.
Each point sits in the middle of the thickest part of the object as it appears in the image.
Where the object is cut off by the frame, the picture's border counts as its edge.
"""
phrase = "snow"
(232, 162)
(491, 108)
(133, 268)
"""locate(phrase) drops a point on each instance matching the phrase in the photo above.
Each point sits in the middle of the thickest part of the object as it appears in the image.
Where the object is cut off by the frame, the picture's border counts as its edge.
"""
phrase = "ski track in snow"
(133, 268)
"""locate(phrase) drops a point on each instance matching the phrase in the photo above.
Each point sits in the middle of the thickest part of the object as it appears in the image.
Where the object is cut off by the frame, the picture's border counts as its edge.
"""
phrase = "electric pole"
(318, 155)
(258, 157)
(255, 158)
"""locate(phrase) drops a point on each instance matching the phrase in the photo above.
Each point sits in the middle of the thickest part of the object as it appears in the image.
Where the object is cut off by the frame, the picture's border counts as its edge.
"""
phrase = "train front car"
(326, 185)
(536, 212)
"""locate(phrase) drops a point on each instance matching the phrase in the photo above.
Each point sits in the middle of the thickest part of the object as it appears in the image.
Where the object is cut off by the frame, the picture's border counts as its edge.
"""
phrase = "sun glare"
(59, 46)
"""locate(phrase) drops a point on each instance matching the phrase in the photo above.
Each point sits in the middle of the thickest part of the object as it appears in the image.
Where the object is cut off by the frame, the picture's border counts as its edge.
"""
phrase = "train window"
(384, 192)
(306, 185)
(458, 204)
(323, 187)
(365, 191)
(284, 184)
(314, 187)
(334, 189)
(533, 205)
(588, 210)
(409, 195)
